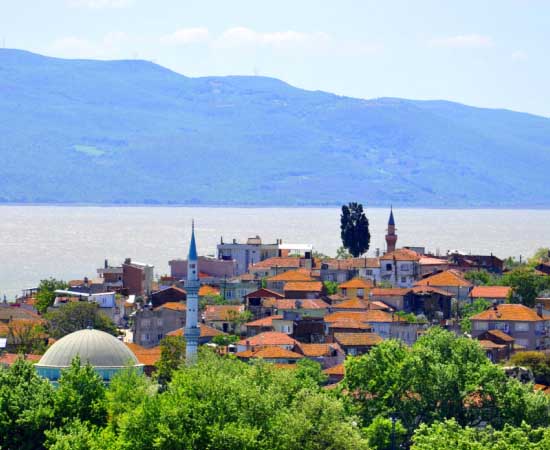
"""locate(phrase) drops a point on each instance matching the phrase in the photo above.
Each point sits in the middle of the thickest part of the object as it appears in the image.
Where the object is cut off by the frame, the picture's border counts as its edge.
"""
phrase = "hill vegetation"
(134, 132)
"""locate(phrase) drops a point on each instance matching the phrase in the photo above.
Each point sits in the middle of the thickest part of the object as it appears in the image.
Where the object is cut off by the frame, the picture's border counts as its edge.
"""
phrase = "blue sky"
(492, 53)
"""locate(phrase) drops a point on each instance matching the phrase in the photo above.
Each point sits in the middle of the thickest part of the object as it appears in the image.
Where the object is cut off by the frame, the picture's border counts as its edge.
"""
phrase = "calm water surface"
(71, 242)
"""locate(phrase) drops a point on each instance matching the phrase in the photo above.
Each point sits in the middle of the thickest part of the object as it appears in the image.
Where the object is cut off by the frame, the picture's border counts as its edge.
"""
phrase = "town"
(283, 302)
(302, 314)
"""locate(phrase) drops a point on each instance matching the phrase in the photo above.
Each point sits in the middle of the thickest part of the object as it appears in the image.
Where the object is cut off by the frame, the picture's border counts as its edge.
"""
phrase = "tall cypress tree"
(354, 228)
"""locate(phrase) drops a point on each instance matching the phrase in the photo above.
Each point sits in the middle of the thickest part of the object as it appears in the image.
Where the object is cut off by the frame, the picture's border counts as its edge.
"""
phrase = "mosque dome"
(104, 352)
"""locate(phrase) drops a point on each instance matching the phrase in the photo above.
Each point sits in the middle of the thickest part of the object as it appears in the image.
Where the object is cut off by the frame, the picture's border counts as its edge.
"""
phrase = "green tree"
(331, 287)
(46, 293)
(542, 255)
(237, 319)
(78, 435)
(81, 395)
(379, 433)
(126, 391)
(26, 407)
(471, 309)
(478, 277)
(225, 339)
(449, 435)
(526, 285)
(172, 356)
(342, 253)
(309, 372)
(76, 316)
(354, 228)
(465, 384)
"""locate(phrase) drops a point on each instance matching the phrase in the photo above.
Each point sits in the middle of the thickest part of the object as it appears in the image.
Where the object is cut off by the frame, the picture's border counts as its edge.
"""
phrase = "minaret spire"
(192, 285)
(391, 237)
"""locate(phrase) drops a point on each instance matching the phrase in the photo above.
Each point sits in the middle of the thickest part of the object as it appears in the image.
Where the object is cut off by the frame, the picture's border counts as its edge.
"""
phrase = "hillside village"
(283, 303)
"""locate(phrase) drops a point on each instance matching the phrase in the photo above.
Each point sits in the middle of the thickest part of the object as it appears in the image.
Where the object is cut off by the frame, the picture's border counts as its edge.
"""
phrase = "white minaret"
(192, 286)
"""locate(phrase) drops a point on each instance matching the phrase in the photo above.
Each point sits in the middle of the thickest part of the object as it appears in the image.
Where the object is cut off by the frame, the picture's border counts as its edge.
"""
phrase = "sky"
(487, 53)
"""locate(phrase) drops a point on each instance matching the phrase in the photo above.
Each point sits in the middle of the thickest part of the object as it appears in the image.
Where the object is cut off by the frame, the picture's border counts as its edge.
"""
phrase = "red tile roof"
(292, 275)
(221, 312)
(318, 350)
(357, 339)
(306, 303)
(174, 306)
(350, 325)
(276, 261)
(401, 254)
(268, 338)
(276, 353)
(335, 370)
(366, 317)
(490, 292)
(446, 278)
(356, 283)
(205, 330)
(389, 292)
(263, 322)
(8, 359)
(509, 312)
(352, 303)
(208, 290)
(304, 286)
(501, 335)
(146, 356)
(264, 293)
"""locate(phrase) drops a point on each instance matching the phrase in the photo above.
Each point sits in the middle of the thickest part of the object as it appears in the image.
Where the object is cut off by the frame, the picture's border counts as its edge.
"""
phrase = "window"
(369, 272)
(521, 326)
(388, 266)
(481, 326)
(523, 342)
(159, 322)
(403, 279)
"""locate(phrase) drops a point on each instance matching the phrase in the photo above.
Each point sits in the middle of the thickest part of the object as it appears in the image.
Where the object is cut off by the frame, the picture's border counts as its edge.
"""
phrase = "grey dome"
(98, 348)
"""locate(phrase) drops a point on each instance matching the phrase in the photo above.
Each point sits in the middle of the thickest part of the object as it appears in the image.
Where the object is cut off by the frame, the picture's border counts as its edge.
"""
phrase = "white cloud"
(519, 56)
(463, 41)
(100, 4)
(186, 36)
(242, 36)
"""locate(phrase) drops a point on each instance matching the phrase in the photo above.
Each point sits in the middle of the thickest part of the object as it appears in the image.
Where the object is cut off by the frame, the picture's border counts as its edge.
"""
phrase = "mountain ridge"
(131, 131)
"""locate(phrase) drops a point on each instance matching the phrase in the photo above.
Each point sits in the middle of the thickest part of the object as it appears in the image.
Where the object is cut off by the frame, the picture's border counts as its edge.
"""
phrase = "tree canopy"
(76, 316)
(354, 229)
(46, 293)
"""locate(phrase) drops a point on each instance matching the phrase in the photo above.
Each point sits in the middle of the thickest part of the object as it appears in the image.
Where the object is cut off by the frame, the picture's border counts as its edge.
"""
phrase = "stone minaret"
(192, 285)
(391, 237)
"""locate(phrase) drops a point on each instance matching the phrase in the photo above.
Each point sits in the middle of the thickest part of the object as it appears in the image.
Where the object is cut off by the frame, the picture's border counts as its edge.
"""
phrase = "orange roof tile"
(268, 338)
(9, 358)
(508, 312)
(352, 303)
(335, 370)
(307, 286)
(276, 261)
(264, 293)
(317, 350)
(263, 322)
(174, 306)
(401, 254)
(430, 290)
(489, 345)
(306, 303)
(352, 263)
(205, 289)
(501, 335)
(205, 330)
(389, 292)
(366, 316)
(357, 339)
(490, 292)
(221, 312)
(350, 325)
(446, 278)
(292, 275)
(276, 353)
(146, 356)
(245, 354)
(430, 261)
(356, 283)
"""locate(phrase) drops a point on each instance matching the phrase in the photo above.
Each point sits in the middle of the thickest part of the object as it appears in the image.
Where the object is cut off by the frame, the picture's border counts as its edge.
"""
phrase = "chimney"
(106, 263)
(128, 261)
(539, 309)
(495, 305)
